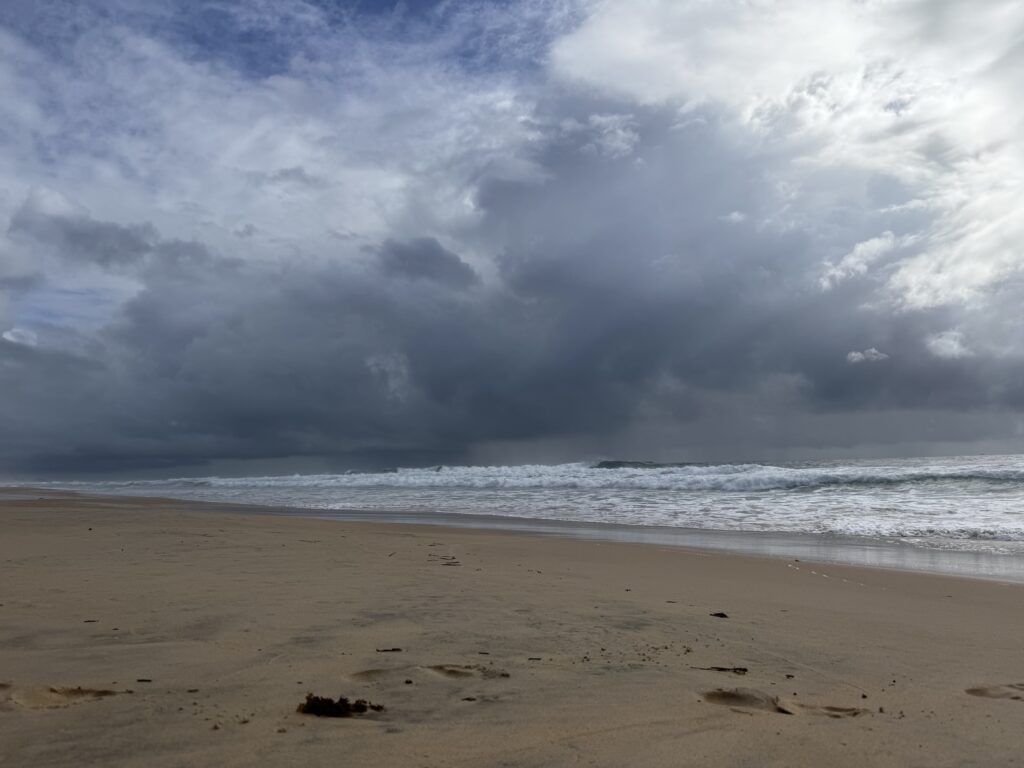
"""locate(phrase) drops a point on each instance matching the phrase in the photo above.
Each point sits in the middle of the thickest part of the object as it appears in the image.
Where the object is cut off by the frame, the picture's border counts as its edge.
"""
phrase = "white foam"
(724, 477)
(929, 501)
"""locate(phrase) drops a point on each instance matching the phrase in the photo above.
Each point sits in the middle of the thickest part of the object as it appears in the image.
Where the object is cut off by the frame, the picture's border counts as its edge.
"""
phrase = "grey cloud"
(79, 237)
(20, 283)
(295, 176)
(425, 258)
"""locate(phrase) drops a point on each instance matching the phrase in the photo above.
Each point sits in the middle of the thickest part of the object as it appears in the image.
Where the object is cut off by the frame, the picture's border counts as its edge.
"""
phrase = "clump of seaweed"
(80, 692)
(325, 706)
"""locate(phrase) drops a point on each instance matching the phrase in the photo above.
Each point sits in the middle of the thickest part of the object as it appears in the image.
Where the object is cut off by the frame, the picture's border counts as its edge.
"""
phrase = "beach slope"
(141, 632)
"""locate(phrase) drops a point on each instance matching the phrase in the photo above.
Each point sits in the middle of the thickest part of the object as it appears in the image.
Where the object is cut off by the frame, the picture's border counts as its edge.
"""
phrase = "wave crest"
(738, 478)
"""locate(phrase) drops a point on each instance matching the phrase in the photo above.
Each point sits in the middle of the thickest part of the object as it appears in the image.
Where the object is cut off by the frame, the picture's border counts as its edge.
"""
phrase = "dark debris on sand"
(324, 706)
(80, 692)
(734, 670)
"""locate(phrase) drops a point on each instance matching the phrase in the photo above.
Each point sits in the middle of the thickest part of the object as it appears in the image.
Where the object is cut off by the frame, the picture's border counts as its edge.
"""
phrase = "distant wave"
(739, 478)
(620, 464)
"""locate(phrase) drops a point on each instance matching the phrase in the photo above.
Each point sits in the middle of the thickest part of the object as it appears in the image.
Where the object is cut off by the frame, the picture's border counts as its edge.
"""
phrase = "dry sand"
(145, 633)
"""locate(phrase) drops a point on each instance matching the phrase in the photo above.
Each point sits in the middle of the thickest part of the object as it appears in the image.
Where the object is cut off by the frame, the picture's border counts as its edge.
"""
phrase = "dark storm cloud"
(650, 306)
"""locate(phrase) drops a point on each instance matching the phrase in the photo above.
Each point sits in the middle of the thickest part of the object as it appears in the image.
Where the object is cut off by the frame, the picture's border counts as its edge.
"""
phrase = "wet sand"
(138, 632)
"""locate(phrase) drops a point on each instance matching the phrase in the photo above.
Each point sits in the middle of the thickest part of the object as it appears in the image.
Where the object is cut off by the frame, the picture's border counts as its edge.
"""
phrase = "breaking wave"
(967, 503)
(741, 478)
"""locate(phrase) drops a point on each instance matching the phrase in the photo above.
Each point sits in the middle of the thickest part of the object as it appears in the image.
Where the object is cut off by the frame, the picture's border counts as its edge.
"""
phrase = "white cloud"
(949, 345)
(857, 261)
(360, 136)
(613, 136)
(733, 217)
(871, 355)
(837, 91)
(198, 149)
(21, 336)
(742, 52)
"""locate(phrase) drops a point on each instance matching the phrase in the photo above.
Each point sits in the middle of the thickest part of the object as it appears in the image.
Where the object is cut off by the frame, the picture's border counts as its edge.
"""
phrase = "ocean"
(965, 503)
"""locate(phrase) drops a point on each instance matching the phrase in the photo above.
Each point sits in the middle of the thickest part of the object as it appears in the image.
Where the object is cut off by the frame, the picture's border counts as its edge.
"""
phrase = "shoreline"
(825, 549)
(137, 631)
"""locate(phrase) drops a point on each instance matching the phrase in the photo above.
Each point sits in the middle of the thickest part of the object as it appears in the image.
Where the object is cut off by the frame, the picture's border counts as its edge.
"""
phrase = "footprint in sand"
(836, 712)
(470, 670)
(446, 671)
(452, 670)
(751, 698)
(746, 698)
(1014, 691)
(42, 697)
(376, 674)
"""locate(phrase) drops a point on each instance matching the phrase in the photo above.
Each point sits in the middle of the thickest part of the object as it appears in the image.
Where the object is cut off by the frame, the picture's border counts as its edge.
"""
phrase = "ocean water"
(971, 504)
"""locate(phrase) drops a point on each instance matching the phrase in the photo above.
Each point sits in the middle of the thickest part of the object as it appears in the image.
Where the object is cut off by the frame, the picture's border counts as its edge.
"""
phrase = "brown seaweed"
(324, 706)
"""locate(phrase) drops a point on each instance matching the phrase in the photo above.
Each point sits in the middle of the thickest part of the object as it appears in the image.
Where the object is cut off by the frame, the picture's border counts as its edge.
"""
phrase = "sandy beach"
(138, 632)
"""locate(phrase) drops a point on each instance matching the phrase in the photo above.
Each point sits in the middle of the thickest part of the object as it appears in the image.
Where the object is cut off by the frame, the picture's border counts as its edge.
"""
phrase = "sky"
(305, 235)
